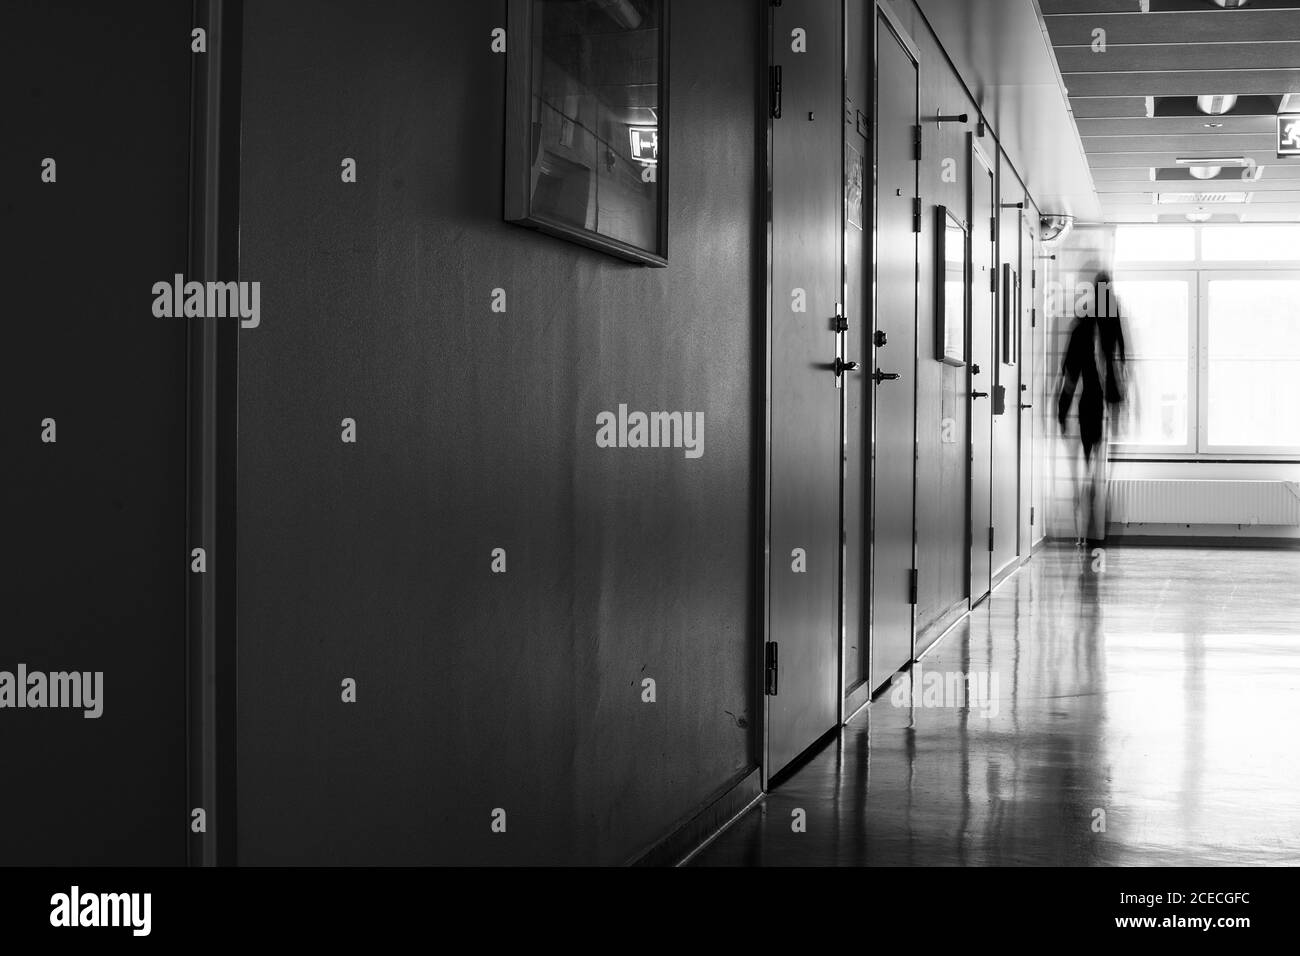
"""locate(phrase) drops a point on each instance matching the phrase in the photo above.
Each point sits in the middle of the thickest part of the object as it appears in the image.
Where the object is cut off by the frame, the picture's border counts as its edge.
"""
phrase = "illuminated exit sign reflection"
(644, 142)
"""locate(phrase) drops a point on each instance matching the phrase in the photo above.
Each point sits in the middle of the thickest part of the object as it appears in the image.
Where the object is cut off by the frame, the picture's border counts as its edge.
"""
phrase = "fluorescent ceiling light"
(1212, 161)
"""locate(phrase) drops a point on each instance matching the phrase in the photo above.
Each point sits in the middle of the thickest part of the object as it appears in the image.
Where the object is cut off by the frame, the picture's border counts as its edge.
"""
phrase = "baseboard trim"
(703, 828)
(934, 632)
(1003, 574)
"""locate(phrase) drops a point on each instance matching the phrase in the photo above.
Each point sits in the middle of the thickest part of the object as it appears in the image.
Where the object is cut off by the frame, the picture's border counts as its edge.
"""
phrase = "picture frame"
(952, 286)
(1010, 314)
(587, 124)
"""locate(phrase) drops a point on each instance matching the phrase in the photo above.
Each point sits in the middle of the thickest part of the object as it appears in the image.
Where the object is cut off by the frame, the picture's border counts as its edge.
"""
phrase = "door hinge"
(916, 214)
(1031, 517)
(990, 537)
(1033, 318)
(769, 670)
(912, 586)
(916, 141)
(775, 83)
(1033, 279)
(993, 228)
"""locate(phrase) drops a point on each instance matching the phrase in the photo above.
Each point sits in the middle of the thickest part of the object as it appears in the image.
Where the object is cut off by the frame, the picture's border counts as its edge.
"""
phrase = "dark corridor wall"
(94, 528)
(475, 431)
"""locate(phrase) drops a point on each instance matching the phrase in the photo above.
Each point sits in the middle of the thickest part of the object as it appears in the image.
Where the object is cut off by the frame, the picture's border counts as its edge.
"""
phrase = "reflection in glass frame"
(952, 270)
(587, 123)
(1010, 315)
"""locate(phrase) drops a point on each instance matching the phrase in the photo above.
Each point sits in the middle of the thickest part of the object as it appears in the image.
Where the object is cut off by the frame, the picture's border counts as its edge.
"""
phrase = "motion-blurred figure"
(1095, 368)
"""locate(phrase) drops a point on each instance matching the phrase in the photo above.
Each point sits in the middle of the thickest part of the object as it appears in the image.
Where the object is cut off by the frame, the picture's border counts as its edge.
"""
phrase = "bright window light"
(1251, 243)
(1155, 244)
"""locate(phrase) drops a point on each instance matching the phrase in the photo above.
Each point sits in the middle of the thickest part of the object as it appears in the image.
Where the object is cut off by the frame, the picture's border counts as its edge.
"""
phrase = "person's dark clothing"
(1093, 361)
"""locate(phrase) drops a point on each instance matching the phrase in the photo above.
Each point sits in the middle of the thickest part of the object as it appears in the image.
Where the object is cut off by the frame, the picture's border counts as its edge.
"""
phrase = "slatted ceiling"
(1182, 48)
(1176, 57)
(1161, 158)
(1067, 7)
(1085, 107)
(1174, 126)
(1107, 191)
(1053, 8)
(1247, 25)
(1232, 144)
(1190, 83)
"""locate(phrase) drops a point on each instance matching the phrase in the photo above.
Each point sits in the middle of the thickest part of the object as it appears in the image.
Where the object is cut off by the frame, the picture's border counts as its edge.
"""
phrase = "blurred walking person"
(1094, 370)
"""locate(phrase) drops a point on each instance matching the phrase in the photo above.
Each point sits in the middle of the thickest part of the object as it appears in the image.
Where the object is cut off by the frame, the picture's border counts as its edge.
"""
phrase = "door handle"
(979, 394)
(1023, 406)
(842, 366)
(880, 376)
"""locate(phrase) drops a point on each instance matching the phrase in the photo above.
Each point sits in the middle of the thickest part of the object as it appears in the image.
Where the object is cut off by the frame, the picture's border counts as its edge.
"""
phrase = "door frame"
(978, 156)
(913, 52)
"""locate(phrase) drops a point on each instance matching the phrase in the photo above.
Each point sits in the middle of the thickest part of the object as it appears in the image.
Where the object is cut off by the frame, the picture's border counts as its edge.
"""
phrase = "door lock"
(885, 376)
(974, 369)
(881, 339)
(842, 366)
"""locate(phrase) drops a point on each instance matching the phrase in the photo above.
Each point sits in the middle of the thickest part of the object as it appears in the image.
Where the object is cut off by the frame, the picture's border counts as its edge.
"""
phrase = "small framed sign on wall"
(587, 123)
(952, 270)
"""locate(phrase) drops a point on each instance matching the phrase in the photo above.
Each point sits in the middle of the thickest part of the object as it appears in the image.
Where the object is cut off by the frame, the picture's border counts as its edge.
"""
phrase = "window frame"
(1189, 446)
(1204, 271)
(1205, 277)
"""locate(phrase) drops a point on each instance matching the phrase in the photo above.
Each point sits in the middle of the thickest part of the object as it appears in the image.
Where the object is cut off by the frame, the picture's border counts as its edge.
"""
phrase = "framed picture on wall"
(952, 270)
(586, 134)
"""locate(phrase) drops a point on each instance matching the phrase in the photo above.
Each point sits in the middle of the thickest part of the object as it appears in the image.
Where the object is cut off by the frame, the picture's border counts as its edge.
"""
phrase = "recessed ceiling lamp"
(1199, 216)
(1231, 4)
(1216, 104)
(1205, 172)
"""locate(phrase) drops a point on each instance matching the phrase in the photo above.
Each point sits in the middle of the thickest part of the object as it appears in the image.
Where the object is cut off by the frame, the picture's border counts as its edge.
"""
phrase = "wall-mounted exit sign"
(1288, 134)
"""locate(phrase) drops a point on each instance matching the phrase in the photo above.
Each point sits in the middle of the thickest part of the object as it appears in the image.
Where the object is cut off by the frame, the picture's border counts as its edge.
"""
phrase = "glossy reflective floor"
(1158, 698)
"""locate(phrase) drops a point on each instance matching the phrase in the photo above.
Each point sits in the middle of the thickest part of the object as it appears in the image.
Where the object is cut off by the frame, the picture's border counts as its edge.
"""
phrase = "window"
(1155, 244)
(1252, 333)
(1157, 311)
(1250, 243)
(1214, 349)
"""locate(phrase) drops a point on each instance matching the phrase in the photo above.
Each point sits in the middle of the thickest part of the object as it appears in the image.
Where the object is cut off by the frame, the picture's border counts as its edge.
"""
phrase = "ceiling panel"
(1165, 158)
(1187, 144)
(1174, 126)
(1192, 83)
(1247, 25)
(1176, 57)
(1158, 49)
(1108, 106)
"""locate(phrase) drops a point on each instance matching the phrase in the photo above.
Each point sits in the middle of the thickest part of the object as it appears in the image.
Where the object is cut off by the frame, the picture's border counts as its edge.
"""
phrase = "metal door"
(801, 657)
(894, 349)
